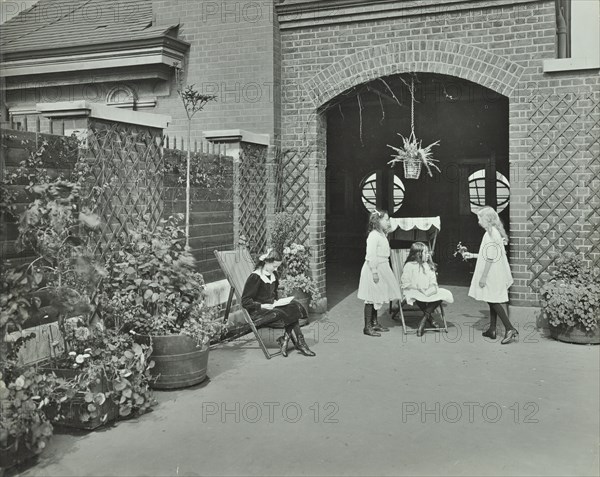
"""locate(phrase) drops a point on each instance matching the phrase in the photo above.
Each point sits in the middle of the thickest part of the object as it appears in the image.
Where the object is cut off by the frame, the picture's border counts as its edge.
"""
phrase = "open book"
(283, 301)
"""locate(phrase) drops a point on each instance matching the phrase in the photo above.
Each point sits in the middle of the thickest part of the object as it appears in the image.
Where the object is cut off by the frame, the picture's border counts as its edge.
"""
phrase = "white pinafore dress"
(499, 278)
(378, 259)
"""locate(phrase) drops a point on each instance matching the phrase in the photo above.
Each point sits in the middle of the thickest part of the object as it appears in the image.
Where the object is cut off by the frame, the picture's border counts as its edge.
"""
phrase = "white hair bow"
(263, 257)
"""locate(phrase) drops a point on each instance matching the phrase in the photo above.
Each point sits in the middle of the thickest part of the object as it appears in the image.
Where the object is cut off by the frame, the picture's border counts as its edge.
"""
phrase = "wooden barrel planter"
(178, 362)
(576, 335)
(71, 412)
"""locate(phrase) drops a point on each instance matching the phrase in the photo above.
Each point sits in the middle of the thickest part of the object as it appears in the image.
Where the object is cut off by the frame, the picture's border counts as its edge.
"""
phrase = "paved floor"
(454, 404)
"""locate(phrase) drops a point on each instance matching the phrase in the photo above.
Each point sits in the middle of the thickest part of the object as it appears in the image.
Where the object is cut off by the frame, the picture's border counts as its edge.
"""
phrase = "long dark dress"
(257, 291)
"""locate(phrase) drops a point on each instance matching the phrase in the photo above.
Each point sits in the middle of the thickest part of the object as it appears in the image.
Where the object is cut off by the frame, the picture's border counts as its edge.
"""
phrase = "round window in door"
(368, 192)
(477, 191)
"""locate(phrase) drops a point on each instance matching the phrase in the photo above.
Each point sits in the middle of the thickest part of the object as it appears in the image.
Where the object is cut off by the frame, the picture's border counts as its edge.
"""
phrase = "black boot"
(431, 322)
(294, 340)
(368, 329)
(303, 347)
(422, 325)
(283, 342)
(375, 324)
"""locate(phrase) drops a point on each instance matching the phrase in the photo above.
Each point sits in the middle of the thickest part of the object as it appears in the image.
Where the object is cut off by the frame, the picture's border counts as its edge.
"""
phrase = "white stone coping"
(236, 135)
(216, 293)
(66, 109)
(570, 64)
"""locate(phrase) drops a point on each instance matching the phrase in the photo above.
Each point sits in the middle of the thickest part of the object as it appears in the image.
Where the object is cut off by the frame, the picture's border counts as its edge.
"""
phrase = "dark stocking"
(501, 312)
(493, 318)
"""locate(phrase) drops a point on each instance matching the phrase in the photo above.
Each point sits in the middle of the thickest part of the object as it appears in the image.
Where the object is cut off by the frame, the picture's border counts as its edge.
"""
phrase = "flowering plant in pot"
(24, 392)
(296, 279)
(570, 300)
(24, 428)
(155, 292)
(108, 375)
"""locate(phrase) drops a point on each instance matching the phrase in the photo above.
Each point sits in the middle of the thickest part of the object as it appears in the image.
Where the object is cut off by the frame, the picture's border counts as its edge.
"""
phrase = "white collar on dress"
(264, 277)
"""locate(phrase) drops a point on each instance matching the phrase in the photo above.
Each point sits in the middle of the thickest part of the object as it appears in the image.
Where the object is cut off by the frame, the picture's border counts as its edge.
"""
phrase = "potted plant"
(295, 279)
(571, 301)
(284, 230)
(155, 292)
(107, 376)
(24, 392)
(24, 428)
(412, 154)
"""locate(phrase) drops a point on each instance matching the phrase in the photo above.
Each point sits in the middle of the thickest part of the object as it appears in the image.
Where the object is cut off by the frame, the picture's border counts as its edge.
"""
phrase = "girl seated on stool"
(419, 284)
(260, 291)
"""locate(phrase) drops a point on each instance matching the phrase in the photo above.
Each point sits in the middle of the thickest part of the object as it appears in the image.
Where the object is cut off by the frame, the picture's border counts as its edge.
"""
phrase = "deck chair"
(398, 258)
(237, 265)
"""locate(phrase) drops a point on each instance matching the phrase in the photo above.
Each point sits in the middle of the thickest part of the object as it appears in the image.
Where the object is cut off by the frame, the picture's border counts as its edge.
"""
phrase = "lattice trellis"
(127, 187)
(292, 188)
(253, 196)
(558, 164)
(592, 125)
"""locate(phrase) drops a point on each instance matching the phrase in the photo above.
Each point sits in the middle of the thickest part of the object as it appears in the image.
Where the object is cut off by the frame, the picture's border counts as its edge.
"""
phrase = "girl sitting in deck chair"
(260, 292)
(419, 284)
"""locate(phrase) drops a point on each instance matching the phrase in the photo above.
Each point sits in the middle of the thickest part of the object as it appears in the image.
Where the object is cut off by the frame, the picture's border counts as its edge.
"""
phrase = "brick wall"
(500, 45)
(234, 55)
(211, 207)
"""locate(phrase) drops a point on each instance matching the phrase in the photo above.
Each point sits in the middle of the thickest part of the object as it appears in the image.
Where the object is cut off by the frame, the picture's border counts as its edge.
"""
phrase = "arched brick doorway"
(471, 124)
(305, 125)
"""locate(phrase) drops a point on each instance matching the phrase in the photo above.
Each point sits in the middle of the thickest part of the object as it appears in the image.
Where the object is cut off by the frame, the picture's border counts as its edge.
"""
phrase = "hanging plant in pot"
(412, 154)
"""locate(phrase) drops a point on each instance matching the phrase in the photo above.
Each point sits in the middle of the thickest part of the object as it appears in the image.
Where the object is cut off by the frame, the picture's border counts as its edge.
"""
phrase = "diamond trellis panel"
(592, 219)
(253, 196)
(557, 166)
(126, 161)
(292, 187)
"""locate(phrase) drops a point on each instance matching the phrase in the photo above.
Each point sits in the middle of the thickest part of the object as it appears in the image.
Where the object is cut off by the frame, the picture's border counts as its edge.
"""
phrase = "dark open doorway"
(471, 123)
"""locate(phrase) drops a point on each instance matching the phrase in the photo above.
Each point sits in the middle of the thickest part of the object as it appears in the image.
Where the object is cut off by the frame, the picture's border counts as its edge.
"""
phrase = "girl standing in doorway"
(492, 277)
(377, 285)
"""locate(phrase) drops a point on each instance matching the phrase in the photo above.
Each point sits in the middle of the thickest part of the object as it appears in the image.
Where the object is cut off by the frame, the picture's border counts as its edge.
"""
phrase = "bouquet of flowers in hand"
(462, 250)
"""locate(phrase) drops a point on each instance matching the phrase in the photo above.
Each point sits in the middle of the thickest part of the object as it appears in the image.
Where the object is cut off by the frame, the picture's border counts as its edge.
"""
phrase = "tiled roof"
(51, 24)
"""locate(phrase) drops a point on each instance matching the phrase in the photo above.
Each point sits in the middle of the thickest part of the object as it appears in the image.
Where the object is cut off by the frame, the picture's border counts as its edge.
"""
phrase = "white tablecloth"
(420, 223)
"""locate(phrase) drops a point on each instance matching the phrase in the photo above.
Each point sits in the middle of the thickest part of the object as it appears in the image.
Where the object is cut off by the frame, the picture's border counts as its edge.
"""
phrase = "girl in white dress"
(492, 277)
(378, 284)
(419, 284)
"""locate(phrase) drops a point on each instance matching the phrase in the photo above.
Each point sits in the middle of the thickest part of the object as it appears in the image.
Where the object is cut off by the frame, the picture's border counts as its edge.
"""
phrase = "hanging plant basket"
(412, 168)
(412, 154)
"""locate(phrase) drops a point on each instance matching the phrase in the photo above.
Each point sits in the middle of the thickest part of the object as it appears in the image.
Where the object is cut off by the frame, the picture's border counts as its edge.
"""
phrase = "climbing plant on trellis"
(126, 177)
(292, 194)
(558, 165)
(253, 196)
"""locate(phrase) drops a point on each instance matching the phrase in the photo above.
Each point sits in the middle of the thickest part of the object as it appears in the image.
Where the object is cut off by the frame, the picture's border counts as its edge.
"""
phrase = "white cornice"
(236, 135)
(66, 109)
(311, 13)
(91, 61)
